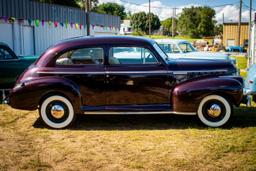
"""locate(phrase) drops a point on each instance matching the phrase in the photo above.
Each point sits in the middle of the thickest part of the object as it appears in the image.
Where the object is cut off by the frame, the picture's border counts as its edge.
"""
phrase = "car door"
(136, 80)
(85, 66)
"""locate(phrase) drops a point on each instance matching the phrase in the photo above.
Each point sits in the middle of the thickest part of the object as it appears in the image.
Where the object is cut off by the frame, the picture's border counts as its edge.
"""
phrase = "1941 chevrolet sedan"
(125, 75)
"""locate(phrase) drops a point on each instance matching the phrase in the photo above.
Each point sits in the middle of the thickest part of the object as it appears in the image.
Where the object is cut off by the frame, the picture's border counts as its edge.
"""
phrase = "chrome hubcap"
(214, 111)
(57, 111)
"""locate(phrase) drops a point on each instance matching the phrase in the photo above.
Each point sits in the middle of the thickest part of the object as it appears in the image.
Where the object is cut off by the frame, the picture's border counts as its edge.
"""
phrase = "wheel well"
(228, 97)
(51, 94)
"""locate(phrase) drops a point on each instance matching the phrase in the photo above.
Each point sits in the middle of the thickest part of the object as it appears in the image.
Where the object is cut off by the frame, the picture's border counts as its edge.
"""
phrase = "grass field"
(155, 142)
(158, 142)
(241, 64)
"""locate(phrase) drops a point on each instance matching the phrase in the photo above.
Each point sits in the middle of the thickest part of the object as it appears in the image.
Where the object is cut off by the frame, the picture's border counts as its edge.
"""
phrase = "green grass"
(241, 64)
(241, 61)
(155, 142)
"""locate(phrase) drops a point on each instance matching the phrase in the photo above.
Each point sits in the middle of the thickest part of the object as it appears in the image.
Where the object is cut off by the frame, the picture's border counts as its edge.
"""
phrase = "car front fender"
(29, 95)
(186, 96)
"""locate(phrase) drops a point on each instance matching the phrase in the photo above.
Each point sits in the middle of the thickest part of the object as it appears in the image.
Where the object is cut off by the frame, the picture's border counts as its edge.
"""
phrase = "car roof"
(3, 44)
(174, 41)
(106, 39)
(91, 41)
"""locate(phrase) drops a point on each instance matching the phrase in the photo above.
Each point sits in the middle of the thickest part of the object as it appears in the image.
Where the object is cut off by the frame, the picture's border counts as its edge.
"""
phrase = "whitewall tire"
(214, 111)
(57, 112)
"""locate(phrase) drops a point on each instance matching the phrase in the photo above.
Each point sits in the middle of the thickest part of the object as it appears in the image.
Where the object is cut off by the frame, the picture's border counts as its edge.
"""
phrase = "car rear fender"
(186, 96)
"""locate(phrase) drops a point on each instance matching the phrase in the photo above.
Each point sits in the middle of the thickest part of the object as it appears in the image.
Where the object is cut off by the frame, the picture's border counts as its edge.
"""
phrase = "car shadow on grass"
(243, 117)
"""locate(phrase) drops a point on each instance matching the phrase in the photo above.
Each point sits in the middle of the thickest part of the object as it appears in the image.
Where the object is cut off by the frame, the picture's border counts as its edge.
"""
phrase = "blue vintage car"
(176, 49)
(250, 82)
(235, 49)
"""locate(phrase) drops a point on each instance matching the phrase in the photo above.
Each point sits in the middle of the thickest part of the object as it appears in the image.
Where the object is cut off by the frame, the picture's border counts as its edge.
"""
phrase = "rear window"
(83, 56)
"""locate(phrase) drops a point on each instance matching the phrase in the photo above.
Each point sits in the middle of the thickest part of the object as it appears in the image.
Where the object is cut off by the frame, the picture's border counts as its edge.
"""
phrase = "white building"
(126, 28)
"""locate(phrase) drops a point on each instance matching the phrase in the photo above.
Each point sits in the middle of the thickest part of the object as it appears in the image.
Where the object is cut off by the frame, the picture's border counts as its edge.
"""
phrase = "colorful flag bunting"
(37, 22)
(49, 23)
(30, 21)
(55, 24)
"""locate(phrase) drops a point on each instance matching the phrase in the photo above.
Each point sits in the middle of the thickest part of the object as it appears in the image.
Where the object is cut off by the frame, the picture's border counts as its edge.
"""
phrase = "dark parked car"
(125, 75)
(11, 66)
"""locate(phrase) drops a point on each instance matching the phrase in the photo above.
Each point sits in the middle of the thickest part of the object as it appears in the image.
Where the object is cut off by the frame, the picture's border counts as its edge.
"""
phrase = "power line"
(247, 6)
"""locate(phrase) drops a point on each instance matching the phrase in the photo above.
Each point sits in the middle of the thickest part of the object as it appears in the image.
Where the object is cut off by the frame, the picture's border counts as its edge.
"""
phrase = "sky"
(164, 8)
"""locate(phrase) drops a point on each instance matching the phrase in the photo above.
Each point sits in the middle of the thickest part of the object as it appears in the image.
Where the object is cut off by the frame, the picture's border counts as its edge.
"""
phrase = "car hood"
(200, 55)
(201, 65)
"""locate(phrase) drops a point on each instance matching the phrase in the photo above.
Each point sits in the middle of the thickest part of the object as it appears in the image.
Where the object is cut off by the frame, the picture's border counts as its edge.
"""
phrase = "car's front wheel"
(214, 111)
(57, 112)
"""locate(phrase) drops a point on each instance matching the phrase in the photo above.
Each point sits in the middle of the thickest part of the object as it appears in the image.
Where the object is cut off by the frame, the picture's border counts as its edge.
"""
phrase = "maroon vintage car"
(124, 75)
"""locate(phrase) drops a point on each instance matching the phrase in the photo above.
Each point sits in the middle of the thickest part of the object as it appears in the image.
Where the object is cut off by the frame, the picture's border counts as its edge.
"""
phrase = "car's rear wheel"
(214, 111)
(57, 112)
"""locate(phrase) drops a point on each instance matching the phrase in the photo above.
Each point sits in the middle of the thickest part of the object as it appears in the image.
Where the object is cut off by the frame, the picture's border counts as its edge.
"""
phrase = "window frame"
(10, 52)
(56, 56)
(159, 62)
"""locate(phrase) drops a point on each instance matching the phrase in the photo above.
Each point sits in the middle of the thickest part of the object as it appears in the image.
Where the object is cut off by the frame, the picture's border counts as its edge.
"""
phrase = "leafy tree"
(167, 25)
(197, 21)
(82, 3)
(218, 29)
(111, 8)
(71, 3)
(128, 15)
(140, 22)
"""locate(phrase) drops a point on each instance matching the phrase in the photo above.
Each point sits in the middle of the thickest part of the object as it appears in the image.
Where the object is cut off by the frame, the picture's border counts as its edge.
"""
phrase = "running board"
(137, 113)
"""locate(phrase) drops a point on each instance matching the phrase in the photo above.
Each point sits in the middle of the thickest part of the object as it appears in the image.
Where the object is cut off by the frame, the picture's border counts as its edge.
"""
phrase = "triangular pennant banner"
(37, 22)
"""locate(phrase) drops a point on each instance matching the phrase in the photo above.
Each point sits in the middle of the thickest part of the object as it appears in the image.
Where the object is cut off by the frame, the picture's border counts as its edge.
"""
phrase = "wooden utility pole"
(239, 23)
(173, 21)
(149, 18)
(87, 7)
(249, 39)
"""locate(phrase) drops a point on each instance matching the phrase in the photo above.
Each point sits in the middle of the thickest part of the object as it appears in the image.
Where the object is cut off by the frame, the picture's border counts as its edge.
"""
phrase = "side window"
(5, 55)
(82, 57)
(131, 55)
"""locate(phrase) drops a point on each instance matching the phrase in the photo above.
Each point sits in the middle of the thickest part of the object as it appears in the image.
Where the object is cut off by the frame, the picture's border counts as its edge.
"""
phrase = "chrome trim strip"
(137, 113)
(104, 72)
(196, 71)
(65, 72)
(130, 72)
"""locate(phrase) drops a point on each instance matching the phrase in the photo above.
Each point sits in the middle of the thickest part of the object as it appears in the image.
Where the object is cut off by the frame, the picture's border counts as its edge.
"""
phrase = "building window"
(231, 42)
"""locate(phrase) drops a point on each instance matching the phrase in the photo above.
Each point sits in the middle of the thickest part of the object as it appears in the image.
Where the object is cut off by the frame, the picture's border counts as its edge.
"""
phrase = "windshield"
(160, 51)
(186, 47)
(169, 48)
